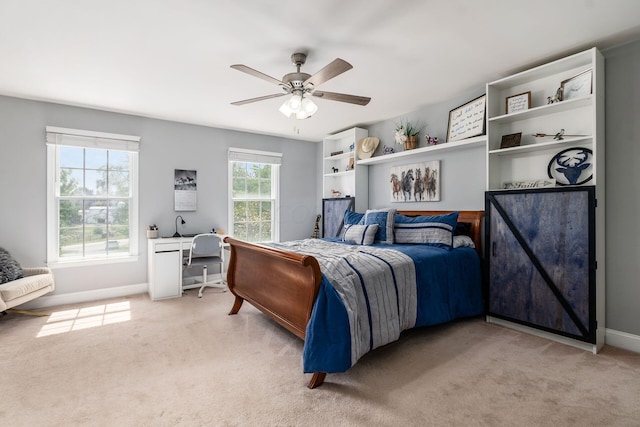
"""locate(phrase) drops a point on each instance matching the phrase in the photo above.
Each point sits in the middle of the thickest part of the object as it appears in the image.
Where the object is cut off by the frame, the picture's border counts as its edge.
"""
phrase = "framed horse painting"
(417, 182)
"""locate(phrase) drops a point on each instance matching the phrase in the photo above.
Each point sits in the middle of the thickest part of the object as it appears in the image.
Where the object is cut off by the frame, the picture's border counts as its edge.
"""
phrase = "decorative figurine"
(555, 98)
(431, 140)
(387, 150)
(335, 193)
(558, 136)
(316, 227)
(334, 169)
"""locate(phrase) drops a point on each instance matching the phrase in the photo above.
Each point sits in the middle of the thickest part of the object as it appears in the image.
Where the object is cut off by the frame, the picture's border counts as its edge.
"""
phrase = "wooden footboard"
(284, 285)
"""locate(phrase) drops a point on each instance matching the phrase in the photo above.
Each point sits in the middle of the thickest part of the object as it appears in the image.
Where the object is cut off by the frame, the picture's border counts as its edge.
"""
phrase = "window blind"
(91, 139)
(254, 156)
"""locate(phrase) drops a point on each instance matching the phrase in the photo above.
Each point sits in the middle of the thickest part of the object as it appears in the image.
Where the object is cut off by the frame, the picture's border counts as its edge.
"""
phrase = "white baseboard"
(85, 296)
(612, 337)
(622, 340)
(544, 334)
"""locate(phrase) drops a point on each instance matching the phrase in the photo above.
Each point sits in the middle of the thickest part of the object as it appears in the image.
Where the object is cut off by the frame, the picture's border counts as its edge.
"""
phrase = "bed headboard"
(474, 218)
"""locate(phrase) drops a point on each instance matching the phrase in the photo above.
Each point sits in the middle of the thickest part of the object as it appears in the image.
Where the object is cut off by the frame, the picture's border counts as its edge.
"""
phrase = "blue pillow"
(360, 234)
(431, 230)
(351, 217)
(385, 219)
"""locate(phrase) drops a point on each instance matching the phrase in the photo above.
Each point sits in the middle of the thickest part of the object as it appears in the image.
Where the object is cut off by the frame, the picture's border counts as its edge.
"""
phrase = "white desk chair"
(206, 249)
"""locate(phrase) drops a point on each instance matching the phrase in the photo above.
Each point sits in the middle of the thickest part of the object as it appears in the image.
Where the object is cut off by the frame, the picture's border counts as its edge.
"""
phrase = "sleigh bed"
(291, 287)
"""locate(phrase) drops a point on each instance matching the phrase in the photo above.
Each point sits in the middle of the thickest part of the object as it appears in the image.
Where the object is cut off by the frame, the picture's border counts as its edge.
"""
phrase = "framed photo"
(577, 86)
(417, 182)
(511, 140)
(467, 120)
(351, 164)
(185, 185)
(519, 102)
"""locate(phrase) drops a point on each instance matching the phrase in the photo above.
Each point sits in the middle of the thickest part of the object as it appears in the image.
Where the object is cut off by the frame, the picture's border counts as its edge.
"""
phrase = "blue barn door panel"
(540, 255)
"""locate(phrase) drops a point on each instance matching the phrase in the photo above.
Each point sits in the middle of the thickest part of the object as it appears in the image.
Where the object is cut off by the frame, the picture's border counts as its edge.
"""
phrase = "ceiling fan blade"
(260, 98)
(256, 73)
(335, 68)
(342, 97)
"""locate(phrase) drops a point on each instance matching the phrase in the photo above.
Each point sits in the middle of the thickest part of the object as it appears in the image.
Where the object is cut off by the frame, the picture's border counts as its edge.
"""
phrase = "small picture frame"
(511, 140)
(577, 86)
(519, 102)
(351, 164)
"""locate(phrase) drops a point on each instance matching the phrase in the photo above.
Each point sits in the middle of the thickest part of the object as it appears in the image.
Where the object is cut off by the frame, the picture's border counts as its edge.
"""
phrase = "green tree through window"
(93, 202)
(254, 200)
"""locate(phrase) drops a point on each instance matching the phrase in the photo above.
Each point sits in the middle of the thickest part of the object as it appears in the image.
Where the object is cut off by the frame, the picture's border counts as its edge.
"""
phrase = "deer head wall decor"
(568, 166)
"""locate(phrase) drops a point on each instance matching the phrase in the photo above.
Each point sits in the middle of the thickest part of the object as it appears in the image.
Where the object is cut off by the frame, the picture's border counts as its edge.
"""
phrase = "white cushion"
(360, 234)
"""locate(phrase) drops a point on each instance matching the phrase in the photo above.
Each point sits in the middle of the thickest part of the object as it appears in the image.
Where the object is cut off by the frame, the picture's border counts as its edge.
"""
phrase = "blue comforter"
(448, 287)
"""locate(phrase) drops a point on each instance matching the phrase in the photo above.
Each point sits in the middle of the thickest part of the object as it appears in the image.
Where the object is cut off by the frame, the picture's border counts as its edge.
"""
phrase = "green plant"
(405, 129)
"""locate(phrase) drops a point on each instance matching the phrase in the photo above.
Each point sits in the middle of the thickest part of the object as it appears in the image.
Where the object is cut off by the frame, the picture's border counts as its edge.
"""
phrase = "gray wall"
(164, 146)
(622, 106)
(462, 173)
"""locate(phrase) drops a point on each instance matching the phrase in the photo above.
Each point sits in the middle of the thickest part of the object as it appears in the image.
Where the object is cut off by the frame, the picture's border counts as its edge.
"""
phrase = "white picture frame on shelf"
(467, 120)
(519, 102)
(577, 86)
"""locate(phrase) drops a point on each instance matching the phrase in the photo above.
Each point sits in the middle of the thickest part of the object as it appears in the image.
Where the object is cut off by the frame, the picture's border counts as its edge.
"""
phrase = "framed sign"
(467, 120)
(511, 140)
(577, 86)
(519, 102)
(540, 183)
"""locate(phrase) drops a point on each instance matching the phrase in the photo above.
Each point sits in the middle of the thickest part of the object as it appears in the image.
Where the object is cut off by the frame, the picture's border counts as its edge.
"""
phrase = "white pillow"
(463, 241)
(360, 234)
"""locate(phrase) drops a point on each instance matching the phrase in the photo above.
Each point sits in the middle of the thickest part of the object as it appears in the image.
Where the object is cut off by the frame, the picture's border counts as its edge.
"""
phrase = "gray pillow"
(10, 270)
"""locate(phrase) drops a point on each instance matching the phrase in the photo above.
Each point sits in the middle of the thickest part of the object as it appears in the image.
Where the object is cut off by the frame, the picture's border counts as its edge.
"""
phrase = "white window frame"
(264, 157)
(56, 137)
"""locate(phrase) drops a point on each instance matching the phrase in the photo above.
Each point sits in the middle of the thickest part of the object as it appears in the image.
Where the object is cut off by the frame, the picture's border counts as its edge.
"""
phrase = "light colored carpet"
(185, 362)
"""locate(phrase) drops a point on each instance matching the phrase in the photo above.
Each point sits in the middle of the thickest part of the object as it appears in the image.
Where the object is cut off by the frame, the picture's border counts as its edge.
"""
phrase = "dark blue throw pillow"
(353, 218)
(385, 219)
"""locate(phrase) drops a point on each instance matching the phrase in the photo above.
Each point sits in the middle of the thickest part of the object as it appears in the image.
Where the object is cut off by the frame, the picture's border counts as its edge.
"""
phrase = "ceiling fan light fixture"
(309, 107)
(295, 102)
(302, 107)
(285, 109)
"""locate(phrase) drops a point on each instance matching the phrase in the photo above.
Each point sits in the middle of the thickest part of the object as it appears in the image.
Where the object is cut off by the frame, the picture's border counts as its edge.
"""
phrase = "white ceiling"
(170, 59)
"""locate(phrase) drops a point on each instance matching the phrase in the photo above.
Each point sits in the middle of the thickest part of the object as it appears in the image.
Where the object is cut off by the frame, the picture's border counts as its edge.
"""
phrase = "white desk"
(164, 273)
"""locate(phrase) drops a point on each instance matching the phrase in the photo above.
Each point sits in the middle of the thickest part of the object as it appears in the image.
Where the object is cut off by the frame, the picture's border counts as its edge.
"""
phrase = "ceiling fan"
(299, 84)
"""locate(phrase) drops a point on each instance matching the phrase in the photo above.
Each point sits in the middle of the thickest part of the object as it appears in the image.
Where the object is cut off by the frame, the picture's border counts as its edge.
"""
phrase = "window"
(253, 193)
(92, 198)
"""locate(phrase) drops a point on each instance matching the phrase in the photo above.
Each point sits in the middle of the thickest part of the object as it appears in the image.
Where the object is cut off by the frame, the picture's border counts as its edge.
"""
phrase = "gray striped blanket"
(376, 285)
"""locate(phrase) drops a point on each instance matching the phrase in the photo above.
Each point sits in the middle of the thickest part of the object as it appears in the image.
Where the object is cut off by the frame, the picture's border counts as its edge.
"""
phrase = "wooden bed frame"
(284, 285)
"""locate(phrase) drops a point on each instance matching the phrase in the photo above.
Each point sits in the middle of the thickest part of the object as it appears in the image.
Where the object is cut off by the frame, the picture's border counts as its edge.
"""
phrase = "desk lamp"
(176, 234)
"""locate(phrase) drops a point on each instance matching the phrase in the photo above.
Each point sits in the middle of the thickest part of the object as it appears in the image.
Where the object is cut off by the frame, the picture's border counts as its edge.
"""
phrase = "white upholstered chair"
(206, 250)
(35, 283)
